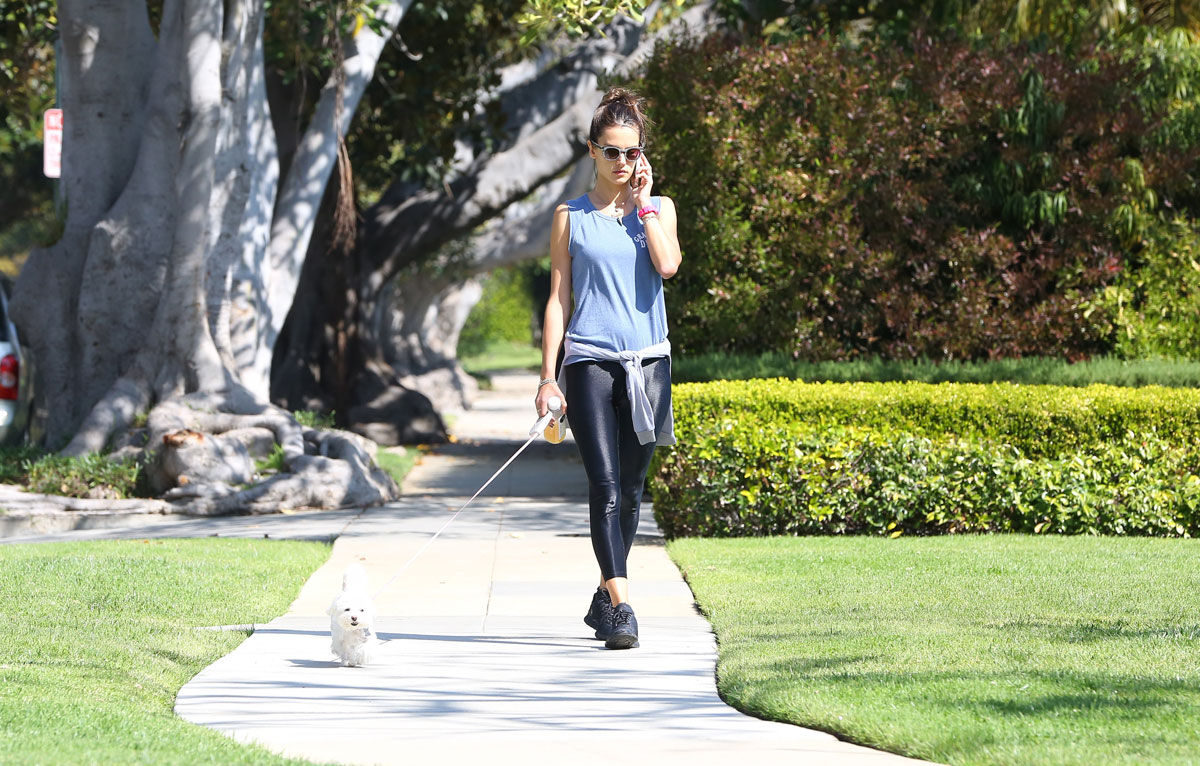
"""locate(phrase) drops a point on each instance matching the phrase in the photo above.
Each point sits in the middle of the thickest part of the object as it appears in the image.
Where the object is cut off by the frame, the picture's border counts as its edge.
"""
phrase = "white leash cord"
(538, 427)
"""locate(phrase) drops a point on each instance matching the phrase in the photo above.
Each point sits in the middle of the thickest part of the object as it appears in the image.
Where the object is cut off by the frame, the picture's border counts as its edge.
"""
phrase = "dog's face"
(351, 611)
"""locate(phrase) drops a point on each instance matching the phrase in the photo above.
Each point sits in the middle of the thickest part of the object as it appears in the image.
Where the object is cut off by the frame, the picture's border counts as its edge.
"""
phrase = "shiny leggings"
(616, 464)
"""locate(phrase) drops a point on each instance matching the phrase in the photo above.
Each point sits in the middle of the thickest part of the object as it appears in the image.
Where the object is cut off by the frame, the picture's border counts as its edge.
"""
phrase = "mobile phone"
(637, 165)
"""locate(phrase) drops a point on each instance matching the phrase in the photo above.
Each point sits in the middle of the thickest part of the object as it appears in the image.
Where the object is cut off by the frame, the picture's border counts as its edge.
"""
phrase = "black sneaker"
(624, 628)
(599, 616)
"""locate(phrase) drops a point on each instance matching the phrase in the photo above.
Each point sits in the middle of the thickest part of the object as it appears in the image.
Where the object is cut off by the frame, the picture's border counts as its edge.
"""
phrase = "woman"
(612, 248)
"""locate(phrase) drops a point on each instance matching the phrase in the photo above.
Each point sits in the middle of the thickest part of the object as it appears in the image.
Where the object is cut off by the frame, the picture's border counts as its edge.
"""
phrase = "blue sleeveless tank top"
(618, 292)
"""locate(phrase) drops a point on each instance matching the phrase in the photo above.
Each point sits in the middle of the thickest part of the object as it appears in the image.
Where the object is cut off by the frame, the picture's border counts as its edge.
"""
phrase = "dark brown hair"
(621, 107)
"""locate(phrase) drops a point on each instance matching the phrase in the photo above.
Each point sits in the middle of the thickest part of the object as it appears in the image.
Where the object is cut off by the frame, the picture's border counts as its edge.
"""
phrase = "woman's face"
(620, 170)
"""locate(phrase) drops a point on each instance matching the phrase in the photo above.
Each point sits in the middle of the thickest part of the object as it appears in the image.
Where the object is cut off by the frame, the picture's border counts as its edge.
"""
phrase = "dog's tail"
(355, 577)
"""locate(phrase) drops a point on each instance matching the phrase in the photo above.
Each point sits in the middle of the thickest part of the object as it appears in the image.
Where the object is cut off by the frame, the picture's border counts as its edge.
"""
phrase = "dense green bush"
(781, 457)
(1154, 306)
(940, 201)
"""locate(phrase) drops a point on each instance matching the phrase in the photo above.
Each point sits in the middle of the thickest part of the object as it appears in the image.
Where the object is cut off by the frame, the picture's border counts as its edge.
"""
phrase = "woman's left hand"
(643, 182)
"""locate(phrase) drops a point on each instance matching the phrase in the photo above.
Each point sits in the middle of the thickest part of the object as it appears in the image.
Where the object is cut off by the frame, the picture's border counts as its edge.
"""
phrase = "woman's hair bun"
(620, 106)
(624, 95)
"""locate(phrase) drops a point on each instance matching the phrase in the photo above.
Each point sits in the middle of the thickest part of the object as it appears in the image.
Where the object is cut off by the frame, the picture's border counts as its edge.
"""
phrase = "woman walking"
(612, 248)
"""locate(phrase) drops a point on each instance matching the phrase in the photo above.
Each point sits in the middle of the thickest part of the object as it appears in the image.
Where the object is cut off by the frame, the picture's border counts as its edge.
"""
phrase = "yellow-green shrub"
(783, 457)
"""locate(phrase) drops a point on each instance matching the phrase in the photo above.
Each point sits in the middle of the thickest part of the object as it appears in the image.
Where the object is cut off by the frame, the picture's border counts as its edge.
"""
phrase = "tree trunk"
(105, 88)
(406, 229)
(304, 187)
(419, 322)
(251, 337)
(153, 300)
(423, 312)
(132, 308)
(424, 224)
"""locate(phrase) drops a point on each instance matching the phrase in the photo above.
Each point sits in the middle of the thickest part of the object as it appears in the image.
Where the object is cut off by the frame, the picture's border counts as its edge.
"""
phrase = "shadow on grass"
(1123, 695)
(1095, 631)
(973, 718)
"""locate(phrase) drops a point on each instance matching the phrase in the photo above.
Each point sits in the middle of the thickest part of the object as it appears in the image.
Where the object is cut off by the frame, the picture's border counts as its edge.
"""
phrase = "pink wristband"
(647, 211)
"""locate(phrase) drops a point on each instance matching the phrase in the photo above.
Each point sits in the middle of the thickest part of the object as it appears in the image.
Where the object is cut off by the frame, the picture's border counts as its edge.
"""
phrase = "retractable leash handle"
(553, 424)
(544, 420)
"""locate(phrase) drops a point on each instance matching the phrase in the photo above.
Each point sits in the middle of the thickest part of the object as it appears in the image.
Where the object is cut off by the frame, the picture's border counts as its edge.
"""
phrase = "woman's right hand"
(542, 402)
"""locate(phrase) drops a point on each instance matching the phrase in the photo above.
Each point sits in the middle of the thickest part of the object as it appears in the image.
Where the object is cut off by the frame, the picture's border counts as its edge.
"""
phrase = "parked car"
(16, 380)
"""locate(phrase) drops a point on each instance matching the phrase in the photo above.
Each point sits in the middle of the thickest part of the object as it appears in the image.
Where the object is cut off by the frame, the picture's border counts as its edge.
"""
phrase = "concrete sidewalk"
(485, 656)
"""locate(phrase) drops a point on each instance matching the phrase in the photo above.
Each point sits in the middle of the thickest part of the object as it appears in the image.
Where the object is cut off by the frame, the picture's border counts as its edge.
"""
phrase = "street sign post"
(52, 141)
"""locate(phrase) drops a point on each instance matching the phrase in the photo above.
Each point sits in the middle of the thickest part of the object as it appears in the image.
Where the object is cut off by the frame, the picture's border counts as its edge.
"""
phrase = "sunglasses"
(611, 153)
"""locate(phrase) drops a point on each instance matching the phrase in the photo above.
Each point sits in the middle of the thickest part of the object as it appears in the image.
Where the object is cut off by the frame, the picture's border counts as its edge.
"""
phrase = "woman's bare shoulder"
(562, 214)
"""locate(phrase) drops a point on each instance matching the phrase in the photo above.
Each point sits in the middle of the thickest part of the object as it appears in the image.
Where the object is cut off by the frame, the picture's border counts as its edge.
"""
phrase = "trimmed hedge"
(784, 457)
(1040, 421)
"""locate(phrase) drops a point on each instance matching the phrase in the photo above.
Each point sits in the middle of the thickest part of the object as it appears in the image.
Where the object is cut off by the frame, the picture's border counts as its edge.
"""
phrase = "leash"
(539, 426)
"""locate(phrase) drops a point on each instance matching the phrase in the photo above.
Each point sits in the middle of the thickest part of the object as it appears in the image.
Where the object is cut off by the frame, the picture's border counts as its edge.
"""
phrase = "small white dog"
(352, 619)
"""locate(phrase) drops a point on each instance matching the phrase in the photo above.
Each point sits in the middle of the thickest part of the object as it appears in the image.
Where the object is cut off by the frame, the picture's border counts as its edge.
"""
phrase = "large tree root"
(202, 459)
(16, 500)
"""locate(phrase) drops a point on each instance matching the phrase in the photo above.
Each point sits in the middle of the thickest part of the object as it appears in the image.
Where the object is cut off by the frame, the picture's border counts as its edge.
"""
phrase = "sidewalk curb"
(24, 523)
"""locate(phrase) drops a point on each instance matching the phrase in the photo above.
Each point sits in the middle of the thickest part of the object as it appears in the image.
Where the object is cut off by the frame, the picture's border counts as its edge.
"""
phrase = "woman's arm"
(662, 239)
(558, 307)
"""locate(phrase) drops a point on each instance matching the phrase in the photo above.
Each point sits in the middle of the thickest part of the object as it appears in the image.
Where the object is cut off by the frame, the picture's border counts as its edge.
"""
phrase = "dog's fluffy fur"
(352, 619)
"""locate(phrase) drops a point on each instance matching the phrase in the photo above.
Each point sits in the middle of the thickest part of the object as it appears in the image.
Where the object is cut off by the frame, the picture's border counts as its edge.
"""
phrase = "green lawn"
(503, 355)
(97, 638)
(397, 461)
(964, 650)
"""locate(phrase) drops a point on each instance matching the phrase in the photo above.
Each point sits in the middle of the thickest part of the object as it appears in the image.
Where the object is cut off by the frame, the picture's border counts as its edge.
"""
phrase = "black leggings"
(616, 464)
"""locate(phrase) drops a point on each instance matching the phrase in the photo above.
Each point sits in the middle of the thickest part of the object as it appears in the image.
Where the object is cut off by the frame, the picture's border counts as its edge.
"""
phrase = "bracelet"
(647, 211)
(544, 381)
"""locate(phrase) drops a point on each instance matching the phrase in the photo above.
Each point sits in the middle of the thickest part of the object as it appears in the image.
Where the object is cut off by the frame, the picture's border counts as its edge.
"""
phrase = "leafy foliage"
(504, 313)
(440, 74)
(1152, 309)
(14, 462)
(27, 29)
(1062, 23)
(1069, 21)
(943, 201)
(315, 419)
(83, 476)
(770, 457)
(88, 476)
(1155, 306)
(1038, 420)
(542, 18)
(303, 39)
(271, 463)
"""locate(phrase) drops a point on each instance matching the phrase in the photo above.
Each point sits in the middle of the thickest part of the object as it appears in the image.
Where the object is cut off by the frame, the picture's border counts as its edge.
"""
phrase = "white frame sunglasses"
(620, 153)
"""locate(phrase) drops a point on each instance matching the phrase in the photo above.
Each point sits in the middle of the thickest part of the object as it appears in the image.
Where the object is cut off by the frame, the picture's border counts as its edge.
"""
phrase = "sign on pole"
(52, 141)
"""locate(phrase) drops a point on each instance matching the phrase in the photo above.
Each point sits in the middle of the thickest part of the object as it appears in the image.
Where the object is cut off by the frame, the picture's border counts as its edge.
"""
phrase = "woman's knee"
(631, 493)
(604, 497)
